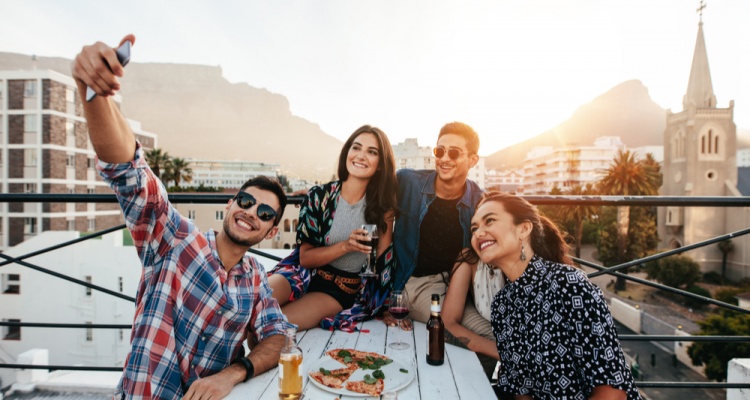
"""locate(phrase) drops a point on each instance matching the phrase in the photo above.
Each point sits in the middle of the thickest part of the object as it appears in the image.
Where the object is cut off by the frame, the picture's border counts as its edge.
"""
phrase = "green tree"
(716, 355)
(577, 214)
(627, 176)
(158, 161)
(675, 271)
(178, 170)
(726, 247)
(642, 239)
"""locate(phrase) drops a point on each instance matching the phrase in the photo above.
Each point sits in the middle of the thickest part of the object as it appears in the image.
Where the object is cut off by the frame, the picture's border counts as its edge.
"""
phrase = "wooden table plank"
(470, 379)
(435, 382)
(406, 357)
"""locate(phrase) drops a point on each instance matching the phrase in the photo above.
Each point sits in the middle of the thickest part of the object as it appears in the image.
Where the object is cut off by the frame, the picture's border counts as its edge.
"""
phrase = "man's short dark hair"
(272, 185)
(465, 131)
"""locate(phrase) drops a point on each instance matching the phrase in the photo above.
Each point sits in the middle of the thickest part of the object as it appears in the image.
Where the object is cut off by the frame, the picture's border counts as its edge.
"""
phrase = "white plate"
(394, 378)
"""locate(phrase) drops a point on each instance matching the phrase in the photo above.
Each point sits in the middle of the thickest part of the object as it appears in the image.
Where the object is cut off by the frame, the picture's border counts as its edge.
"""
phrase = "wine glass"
(372, 241)
(399, 309)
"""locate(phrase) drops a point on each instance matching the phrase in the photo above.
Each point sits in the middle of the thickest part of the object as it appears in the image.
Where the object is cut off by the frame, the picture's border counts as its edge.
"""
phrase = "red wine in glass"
(373, 242)
(399, 312)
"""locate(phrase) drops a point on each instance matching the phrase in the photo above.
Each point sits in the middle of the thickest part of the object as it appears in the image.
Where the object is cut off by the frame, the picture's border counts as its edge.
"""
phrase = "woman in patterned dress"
(554, 332)
(319, 282)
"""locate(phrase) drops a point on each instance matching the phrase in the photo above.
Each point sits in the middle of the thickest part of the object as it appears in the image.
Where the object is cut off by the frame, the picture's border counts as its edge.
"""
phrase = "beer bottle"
(436, 334)
(290, 368)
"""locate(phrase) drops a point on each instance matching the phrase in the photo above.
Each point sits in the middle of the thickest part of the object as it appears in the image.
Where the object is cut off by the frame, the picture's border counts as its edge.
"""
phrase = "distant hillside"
(626, 111)
(197, 113)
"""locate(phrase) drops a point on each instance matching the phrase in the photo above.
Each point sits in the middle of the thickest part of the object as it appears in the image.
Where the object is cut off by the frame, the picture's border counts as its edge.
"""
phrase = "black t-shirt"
(440, 238)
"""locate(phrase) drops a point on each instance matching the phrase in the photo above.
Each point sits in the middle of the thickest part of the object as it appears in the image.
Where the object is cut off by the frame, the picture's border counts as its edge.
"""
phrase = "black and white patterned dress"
(556, 337)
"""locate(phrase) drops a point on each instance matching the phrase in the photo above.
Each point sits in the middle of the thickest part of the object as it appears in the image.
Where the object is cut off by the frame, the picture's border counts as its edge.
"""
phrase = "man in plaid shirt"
(200, 295)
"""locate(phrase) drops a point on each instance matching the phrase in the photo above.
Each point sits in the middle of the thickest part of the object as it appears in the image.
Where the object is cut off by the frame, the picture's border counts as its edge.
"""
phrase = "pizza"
(334, 378)
(374, 389)
(358, 359)
(373, 383)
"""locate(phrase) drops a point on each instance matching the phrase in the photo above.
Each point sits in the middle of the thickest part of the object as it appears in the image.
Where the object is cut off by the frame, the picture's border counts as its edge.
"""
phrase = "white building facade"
(226, 174)
(545, 167)
(31, 296)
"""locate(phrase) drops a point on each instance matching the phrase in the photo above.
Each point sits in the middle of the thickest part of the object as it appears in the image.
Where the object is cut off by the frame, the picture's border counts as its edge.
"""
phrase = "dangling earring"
(523, 252)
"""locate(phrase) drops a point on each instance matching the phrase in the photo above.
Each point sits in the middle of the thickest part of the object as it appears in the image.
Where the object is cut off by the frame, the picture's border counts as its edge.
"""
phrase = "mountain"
(197, 113)
(626, 111)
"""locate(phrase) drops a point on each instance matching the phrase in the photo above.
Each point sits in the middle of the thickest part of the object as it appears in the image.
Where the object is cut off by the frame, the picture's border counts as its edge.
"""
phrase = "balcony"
(96, 329)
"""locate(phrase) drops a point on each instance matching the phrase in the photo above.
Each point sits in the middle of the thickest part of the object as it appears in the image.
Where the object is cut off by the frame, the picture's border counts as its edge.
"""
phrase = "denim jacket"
(416, 191)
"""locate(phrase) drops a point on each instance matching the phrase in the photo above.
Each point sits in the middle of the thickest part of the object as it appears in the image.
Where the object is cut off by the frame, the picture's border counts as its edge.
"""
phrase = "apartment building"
(31, 296)
(44, 148)
(545, 167)
(508, 181)
(227, 174)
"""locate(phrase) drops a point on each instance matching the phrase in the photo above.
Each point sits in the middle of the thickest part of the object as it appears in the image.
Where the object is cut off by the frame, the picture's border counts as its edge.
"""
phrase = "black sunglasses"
(452, 153)
(245, 200)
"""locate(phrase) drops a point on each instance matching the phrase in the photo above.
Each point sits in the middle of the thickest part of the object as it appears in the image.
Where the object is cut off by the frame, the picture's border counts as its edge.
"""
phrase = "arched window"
(710, 143)
(286, 225)
(286, 245)
(294, 225)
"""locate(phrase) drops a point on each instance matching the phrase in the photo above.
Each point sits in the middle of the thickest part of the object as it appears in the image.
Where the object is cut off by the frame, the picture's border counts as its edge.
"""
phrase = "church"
(700, 147)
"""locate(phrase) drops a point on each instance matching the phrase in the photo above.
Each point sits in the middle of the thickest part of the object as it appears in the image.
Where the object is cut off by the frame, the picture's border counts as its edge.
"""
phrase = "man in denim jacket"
(435, 215)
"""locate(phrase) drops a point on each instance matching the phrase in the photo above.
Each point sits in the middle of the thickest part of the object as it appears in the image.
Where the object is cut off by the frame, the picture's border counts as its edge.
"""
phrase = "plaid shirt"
(191, 315)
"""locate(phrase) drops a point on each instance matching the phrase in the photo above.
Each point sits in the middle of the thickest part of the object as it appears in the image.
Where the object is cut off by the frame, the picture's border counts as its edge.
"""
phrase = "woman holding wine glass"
(320, 282)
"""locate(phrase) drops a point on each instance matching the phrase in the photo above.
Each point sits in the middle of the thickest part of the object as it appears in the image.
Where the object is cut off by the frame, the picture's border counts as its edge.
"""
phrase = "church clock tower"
(700, 146)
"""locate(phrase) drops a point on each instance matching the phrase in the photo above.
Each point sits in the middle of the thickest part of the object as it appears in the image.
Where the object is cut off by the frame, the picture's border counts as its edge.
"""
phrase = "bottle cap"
(435, 297)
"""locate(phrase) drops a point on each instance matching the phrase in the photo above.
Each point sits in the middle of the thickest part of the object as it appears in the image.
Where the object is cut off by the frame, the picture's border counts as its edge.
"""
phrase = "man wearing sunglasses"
(200, 295)
(434, 224)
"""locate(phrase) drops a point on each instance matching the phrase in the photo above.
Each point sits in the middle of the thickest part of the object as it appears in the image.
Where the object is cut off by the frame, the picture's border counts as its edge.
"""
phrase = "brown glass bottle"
(436, 334)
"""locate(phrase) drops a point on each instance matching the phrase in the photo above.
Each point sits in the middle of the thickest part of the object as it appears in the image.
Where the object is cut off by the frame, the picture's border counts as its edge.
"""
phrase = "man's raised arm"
(97, 67)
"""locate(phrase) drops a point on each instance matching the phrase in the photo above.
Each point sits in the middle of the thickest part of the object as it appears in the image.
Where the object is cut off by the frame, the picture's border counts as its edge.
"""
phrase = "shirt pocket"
(239, 305)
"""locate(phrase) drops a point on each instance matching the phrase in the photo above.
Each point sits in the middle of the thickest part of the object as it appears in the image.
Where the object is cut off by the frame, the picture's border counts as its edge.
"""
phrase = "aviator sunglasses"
(245, 200)
(453, 154)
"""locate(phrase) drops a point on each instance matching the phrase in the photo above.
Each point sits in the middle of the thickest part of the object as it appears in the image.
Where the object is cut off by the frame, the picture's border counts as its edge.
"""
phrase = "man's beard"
(237, 240)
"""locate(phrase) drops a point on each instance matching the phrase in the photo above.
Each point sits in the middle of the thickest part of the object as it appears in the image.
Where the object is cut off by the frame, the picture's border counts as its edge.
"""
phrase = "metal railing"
(181, 198)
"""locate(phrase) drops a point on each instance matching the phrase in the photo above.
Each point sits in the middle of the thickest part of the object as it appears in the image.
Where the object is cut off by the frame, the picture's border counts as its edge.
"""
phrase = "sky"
(509, 68)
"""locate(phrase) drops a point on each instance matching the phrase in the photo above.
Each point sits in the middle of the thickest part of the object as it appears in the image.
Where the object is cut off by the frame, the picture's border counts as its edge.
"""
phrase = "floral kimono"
(315, 220)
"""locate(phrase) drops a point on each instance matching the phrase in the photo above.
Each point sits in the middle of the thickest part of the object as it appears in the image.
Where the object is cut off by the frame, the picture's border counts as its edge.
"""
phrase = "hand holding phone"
(123, 55)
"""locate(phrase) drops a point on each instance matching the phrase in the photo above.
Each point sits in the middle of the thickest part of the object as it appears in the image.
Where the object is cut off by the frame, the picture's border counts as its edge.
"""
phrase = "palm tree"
(578, 214)
(180, 170)
(158, 161)
(627, 176)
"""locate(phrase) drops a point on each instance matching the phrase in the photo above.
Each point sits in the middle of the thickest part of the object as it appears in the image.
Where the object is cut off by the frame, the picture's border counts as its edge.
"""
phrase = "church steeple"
(700, 91)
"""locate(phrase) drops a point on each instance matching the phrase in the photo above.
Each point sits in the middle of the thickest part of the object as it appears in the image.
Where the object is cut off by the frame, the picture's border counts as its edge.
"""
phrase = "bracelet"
(248, 365)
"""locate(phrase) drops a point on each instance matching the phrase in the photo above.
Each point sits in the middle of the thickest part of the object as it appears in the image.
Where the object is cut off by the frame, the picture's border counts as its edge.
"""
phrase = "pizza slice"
(372, 389)
(359, 359)
(333, 378)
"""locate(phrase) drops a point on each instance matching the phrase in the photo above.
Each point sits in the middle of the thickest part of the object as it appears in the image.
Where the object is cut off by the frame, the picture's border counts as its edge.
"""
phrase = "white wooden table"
(461, 377)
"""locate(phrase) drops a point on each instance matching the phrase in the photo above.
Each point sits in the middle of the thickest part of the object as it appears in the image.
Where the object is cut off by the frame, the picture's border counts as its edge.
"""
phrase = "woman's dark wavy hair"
(381, 189)
(546, 239)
